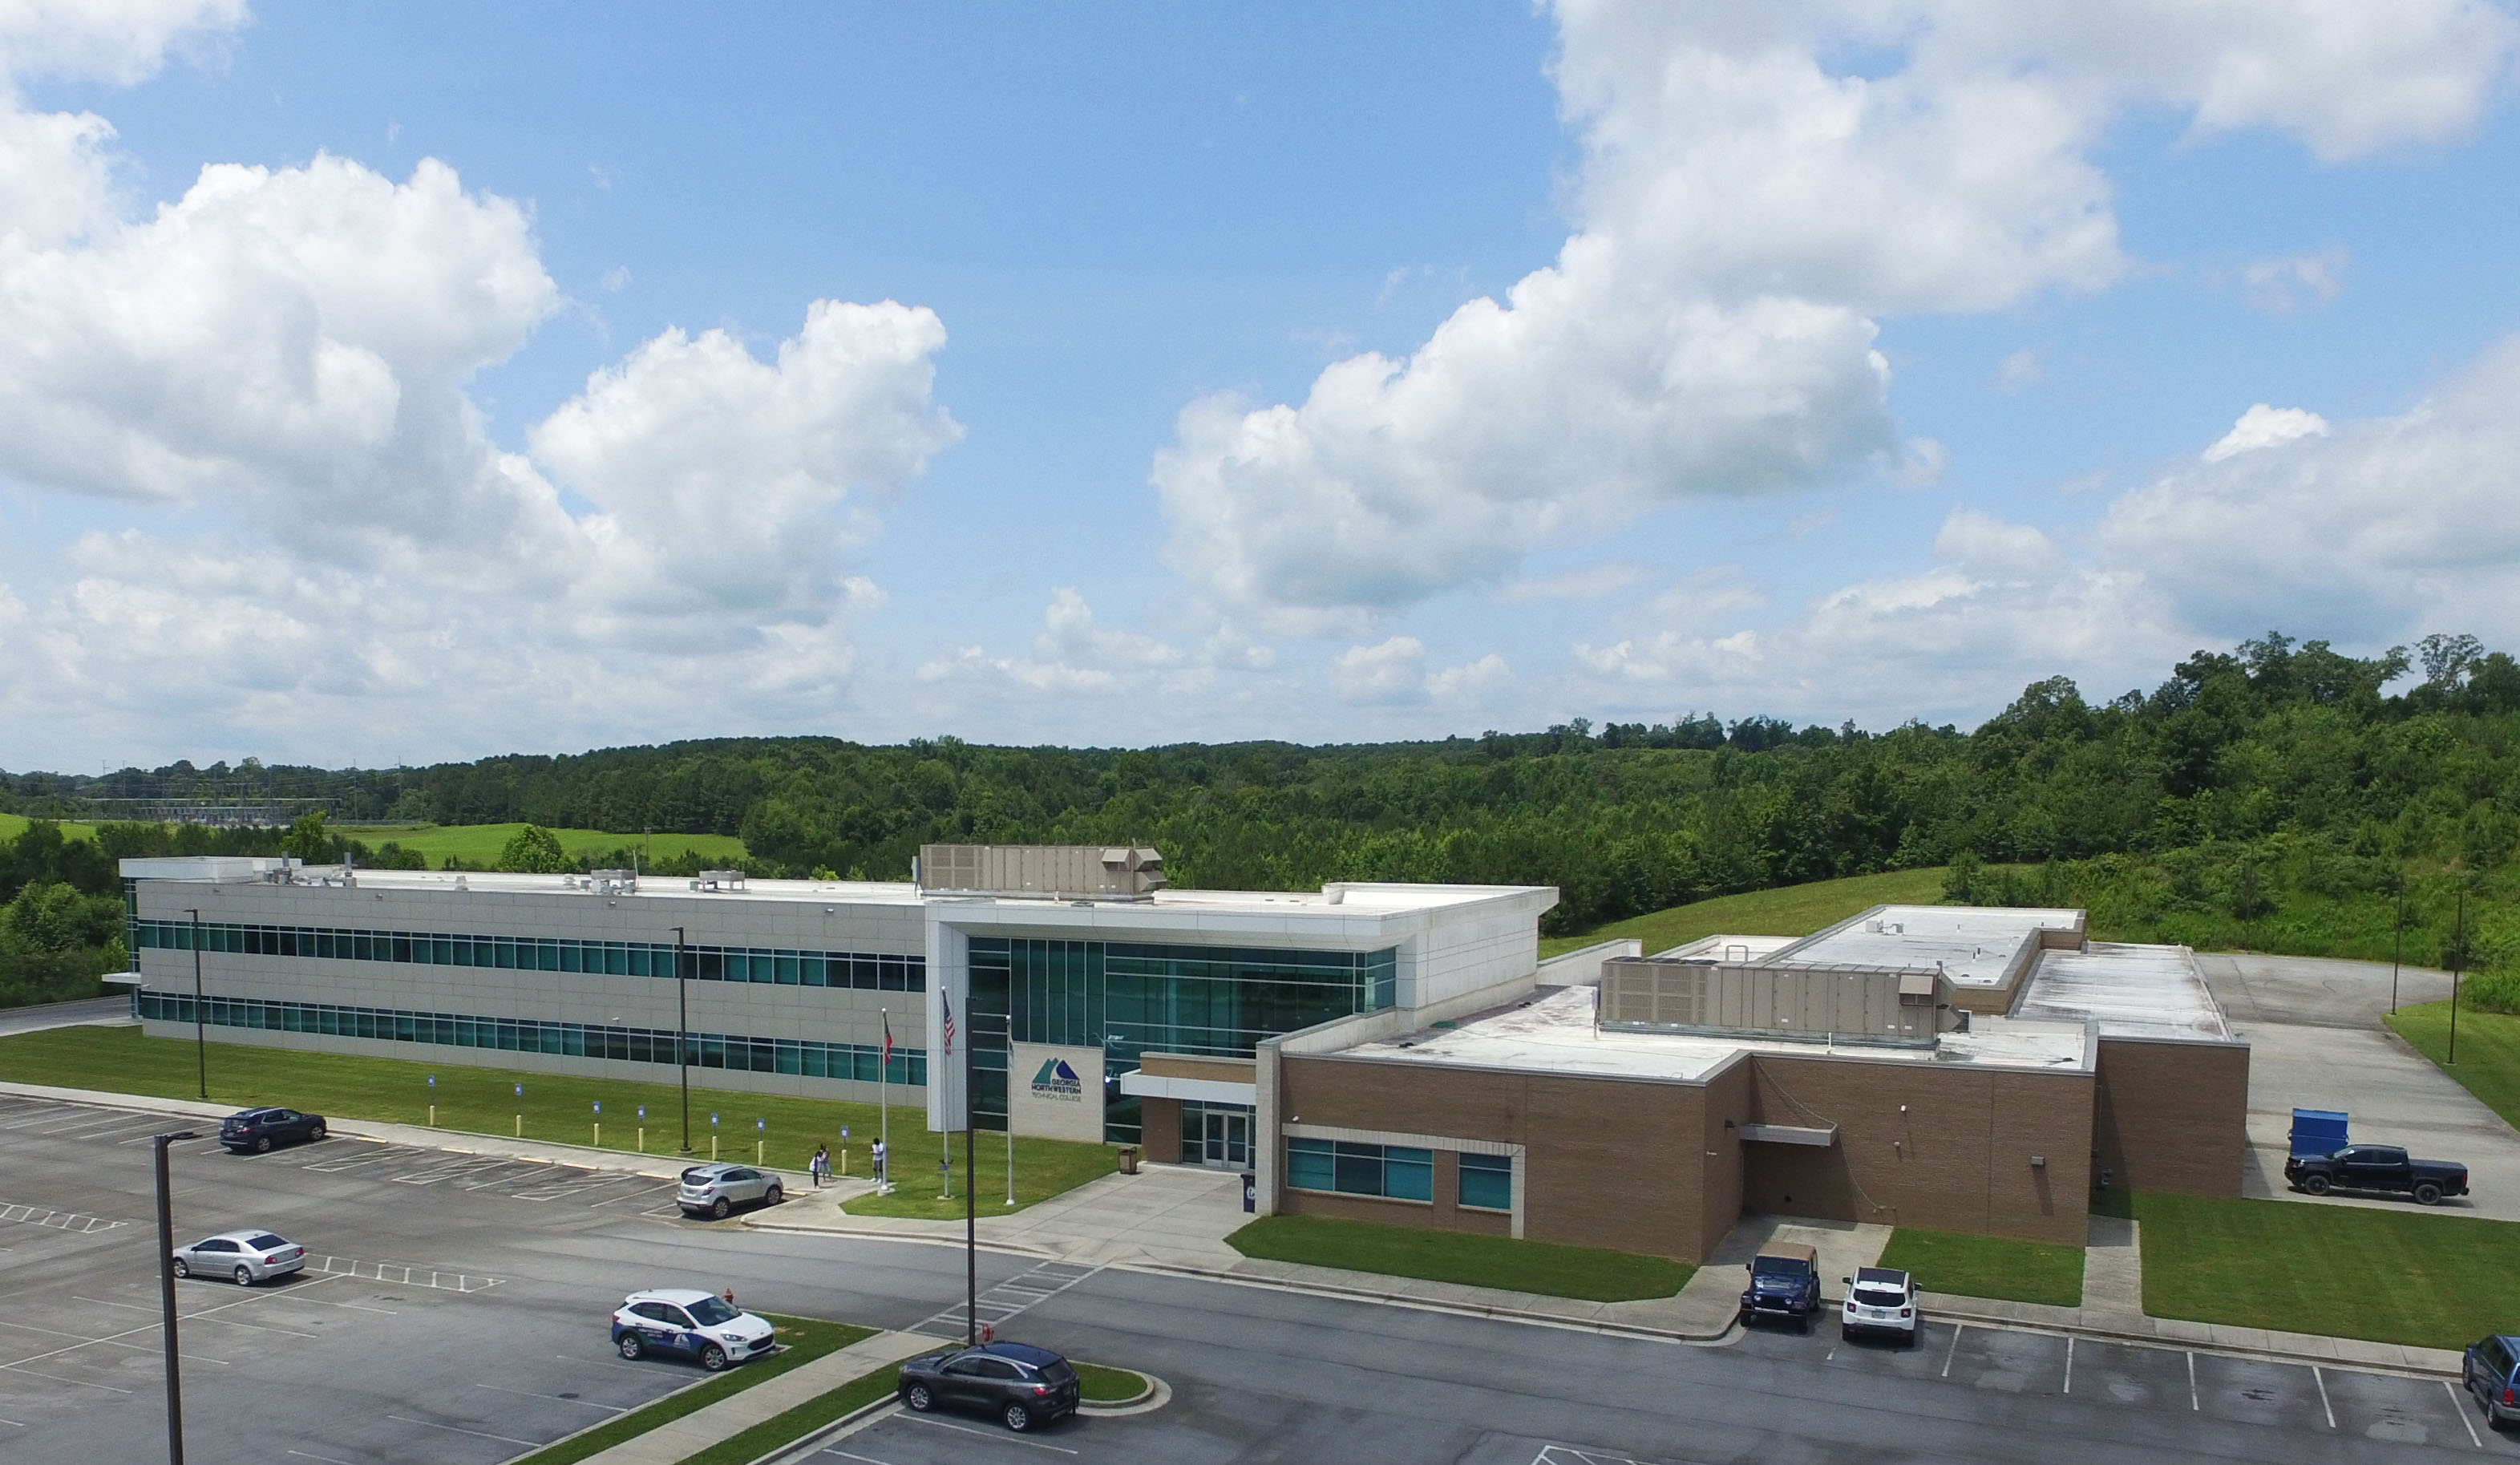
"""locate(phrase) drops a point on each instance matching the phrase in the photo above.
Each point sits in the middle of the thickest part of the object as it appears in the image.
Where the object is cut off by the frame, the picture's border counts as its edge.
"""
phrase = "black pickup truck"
(2383, 1168)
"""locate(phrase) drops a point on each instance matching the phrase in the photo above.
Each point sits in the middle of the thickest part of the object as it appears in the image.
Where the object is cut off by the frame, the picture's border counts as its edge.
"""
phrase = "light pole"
(971, 1198)
(2459, 959)
(2398, 943)
(166, 1295)
(201, 1041)
(683, 1038)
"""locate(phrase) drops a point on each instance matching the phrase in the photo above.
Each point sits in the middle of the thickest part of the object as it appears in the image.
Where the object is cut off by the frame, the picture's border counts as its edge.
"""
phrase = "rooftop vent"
(1053, 872)
(719, 880)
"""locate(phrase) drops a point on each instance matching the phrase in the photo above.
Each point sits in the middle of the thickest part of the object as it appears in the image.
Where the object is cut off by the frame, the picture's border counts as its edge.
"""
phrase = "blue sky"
(1845, 360)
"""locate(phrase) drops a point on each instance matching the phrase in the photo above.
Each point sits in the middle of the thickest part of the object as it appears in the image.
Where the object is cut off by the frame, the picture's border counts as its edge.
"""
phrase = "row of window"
(863, 971)
(710, 1050)
(1395, 1172)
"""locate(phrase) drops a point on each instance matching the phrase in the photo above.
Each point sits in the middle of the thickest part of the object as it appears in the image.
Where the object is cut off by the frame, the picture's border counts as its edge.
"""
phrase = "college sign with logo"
(1055, 1092)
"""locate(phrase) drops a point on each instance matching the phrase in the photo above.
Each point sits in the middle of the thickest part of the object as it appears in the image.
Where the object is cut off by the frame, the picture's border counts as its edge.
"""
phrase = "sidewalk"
(729, 1417)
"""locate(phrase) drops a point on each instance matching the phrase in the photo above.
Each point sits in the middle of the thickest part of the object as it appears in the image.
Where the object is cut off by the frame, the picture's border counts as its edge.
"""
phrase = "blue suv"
(1784, 1283)
(2489, 1370)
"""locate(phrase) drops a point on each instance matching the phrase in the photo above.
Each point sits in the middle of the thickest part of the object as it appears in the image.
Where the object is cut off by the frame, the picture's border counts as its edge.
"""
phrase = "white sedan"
(1880, 1300)
(244, 1257)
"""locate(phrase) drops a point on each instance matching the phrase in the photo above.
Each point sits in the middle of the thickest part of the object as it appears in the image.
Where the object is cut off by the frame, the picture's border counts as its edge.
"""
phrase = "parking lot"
(455, 1310)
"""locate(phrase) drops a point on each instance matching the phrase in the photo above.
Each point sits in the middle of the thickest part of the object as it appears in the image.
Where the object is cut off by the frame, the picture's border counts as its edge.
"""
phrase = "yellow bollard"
(712, 1148)
(844, 1160)
(756, 1150)
(432, 1116)
(520, 1126)
(599, 1136)
(642, 1139)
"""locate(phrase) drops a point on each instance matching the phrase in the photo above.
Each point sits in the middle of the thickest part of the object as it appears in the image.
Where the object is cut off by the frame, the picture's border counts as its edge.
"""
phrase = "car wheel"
(262, 1144)
(917, 1397)
(712, 1357)
(182, 1268)
(244, 1276)
(2316, 1185)
(718, 1212)
(2428, 1194)
(1019, 1418)
(630, 1346)
(772, 1196)
(315, 1133)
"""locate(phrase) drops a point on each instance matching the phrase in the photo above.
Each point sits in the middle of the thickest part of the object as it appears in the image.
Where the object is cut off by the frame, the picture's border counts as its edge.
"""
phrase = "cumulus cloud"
(270, 376)
(1394, 673)
(1749, 204)
(2264, 427)
(2281, 283)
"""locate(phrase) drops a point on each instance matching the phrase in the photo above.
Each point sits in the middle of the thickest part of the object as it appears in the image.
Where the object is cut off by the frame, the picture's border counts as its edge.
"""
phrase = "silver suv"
(714, 1190)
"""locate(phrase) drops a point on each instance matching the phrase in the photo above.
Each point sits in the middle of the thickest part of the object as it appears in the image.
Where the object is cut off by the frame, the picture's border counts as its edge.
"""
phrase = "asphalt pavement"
(458, 1316)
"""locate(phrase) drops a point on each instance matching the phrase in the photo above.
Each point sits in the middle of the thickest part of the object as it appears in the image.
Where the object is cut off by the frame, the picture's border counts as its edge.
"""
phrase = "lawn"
(1110, 1386)
(14, 825)
(2489, 1051)
(827, 1408)
(2393, 1276)
(480, 843)
(1587, 1273)
(1996, 1266)
(1044, 1167)
(1787, 910)
(555, 1107)
(807, 1340)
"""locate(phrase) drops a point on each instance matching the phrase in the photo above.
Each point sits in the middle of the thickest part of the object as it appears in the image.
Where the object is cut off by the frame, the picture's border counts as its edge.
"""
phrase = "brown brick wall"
(1196, 1066)
(2173, 1115)
(1728, 1107)
(1160, 1129)
(1957, 1159)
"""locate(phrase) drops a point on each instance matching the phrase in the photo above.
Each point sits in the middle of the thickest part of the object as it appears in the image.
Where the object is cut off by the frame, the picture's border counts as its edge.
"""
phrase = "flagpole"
(884, 1091)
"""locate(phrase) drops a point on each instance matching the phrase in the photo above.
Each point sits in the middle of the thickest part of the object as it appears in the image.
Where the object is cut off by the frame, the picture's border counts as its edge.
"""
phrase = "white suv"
(692, 1324)
(714, 1189)
(1880, 1300)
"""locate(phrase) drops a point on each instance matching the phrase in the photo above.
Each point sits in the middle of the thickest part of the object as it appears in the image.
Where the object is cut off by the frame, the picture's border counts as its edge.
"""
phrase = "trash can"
(1251, 1193)
(1128, 1159)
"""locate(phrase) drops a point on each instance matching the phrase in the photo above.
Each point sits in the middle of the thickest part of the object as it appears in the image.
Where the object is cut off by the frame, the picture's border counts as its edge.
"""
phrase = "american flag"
(949, 1023)
(888, 1042)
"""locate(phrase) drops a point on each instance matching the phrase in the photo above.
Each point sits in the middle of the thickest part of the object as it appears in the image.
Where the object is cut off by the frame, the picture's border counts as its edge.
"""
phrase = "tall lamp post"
(201, 1041)
(683, 1036)
(2459, 959)
(166, 1296)
(970, 1194)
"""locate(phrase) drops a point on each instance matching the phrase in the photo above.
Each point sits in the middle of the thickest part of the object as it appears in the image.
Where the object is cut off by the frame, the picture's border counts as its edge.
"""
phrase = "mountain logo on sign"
(1057, 1081)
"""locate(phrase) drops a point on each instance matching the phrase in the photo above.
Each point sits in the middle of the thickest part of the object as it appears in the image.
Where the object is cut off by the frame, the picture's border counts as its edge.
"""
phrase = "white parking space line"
(557, 1398)
(2069, 1363)
(57, 1378)
(326, 1459)
(13, 1424)
(2326, 1407)
(1955, 1349)
(140, 1348)
(607, 1363)
(2459, 1406)
(453, 1429)
(963, 1429)
(58, 1221)
(861, 1460)
(2193, 1402)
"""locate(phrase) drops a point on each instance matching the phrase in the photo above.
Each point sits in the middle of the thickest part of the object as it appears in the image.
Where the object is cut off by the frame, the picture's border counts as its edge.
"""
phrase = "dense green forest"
(2275, 793)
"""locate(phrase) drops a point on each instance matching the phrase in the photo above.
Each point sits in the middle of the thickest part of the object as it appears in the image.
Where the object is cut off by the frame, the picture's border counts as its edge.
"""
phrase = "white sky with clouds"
(395, 385)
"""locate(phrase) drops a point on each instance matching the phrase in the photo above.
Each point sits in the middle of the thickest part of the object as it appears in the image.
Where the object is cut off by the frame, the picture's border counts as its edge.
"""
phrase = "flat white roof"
(1352, 898)
(1731, 948)
(2131, 990)
(1973, 945)
(1555, 1034)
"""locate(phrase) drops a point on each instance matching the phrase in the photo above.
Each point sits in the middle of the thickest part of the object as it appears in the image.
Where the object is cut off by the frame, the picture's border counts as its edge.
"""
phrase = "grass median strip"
(807, 1339)
(555, 1107)
(1587, 1273)
(2406, 1276)
(1991, 1266)
(1110, 1386)
(786, 1429)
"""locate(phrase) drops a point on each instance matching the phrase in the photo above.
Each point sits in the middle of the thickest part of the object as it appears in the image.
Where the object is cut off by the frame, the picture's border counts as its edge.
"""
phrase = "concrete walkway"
(114, 1011)
(680, 1439)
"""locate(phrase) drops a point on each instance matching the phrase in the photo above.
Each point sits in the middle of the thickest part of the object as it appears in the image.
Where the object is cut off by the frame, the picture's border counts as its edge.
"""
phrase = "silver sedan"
(244, 1257)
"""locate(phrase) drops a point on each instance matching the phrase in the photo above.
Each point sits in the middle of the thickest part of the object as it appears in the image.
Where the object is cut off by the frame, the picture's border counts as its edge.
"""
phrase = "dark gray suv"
(1021, 1384)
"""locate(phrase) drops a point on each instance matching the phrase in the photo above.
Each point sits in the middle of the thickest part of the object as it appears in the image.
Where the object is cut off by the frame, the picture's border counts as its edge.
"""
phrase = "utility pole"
(200, 1040)
(683, 1033)
(971, 1196)
(2398, 944)
(166, 1296)
(2459, 959)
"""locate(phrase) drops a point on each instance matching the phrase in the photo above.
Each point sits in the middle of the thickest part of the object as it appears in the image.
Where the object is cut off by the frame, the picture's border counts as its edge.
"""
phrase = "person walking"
(878, 1158)
(821, 1164)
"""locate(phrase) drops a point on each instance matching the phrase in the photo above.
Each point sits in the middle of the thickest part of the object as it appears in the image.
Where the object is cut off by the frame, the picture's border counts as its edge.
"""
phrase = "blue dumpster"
(2317, 1131)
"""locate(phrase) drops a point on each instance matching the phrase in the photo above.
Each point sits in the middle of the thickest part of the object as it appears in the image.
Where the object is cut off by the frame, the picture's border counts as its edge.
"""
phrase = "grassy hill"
(1788, 911)
(480, 843)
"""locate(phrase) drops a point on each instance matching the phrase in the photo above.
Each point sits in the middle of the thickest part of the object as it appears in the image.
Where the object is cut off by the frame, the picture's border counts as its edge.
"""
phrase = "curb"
(1159, 1394)
(811, 1443)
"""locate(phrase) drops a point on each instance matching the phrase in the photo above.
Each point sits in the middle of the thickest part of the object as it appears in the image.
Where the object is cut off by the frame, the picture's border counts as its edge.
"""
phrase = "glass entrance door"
(1227, 1140)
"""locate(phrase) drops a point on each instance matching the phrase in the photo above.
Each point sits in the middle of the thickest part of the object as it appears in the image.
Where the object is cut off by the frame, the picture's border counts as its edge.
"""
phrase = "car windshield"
(264, 1242)
(709, 1313)
(1779, 1267)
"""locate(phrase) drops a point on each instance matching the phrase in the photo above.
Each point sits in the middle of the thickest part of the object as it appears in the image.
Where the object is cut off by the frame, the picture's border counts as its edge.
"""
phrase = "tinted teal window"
(1309, 1164)
(1487, 1181)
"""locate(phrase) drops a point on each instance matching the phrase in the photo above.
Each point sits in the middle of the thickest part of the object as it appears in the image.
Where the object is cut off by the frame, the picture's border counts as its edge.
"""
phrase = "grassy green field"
(14, 825)
(1586, 1272)
(480, 843)
(806, 1339)
(827, 1408)
(1044, 1167)
(1788, 910)
(1110, 1386)
(2449, 1279)
(2489, 1051)
(555, 1107)
(1998, 1266)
